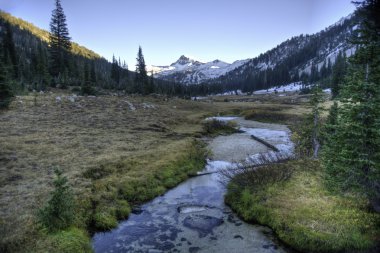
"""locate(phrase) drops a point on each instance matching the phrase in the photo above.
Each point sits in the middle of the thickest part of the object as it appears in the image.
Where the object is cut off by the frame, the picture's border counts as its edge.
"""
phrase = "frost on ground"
(223, 119)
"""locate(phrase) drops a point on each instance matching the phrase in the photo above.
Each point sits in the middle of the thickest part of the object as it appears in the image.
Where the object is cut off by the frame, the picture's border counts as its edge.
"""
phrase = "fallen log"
(265, 143)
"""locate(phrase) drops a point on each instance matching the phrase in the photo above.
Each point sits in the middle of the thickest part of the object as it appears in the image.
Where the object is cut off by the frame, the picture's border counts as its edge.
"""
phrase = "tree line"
(349, 139)
(36, 60)
(33, 59)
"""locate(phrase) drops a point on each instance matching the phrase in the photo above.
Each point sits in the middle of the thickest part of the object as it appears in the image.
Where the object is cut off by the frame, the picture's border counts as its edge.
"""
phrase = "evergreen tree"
(339, 70)
(352, 156)
(93, 73)
(115, 71)
(58, 213)
(151, 83)
(6, 94)
(141, 79)
(60, 44)
(310, 136)
(315, 102)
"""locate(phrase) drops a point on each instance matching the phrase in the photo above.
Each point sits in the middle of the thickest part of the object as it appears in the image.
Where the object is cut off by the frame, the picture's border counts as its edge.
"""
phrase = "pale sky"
(228, 30)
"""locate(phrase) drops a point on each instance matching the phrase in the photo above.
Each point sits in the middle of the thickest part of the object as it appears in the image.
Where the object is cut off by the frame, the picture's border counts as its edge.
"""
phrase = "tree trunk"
(316, 143)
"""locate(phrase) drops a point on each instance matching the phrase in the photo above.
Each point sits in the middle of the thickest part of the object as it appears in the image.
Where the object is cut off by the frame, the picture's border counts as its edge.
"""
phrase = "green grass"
(305, 215)
(66, 241)
(112, 198)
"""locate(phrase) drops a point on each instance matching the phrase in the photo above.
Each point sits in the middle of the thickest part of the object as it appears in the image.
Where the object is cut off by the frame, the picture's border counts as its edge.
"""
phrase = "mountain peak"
(185, 60)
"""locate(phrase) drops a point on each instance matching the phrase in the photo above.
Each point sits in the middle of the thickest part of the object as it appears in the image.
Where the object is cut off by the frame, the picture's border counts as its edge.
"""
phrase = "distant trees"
(115, 71)
(60, 44)
(6, 93)
(9, 56)
(339, 71)
(7, 67)
(352, 153)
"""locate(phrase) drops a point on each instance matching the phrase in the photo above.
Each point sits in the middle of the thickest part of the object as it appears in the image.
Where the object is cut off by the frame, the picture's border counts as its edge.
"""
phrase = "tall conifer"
(352, 156)
(60, 43)
(141, 82)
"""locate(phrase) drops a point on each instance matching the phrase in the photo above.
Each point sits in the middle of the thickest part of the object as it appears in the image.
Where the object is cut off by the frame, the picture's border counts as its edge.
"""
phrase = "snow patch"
(292, 87)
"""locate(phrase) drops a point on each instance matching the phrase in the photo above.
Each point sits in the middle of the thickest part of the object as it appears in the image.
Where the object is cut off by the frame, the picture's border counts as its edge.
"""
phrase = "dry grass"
(146, 146)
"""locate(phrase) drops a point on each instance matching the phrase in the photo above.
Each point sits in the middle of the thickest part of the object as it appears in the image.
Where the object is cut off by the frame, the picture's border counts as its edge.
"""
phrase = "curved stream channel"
(192, 217)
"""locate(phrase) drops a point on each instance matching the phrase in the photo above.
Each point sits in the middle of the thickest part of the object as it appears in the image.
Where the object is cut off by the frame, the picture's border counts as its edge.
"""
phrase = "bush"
(262, 176)
(271, 115)
(58, 213)
(217, 127)
(88, 90)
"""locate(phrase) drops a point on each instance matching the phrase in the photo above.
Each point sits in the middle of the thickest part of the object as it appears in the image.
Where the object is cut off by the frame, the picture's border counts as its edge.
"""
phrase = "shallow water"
(192, 217)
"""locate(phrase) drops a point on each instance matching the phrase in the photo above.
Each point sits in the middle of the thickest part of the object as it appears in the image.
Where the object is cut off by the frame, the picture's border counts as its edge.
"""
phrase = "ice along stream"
(192, 217)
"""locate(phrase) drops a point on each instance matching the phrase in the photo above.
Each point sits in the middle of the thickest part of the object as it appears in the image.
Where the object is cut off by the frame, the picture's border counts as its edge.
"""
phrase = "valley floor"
(117, 151)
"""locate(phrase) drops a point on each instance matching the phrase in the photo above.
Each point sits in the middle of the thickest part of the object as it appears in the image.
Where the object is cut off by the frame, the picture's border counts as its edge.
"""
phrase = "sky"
(227, 30)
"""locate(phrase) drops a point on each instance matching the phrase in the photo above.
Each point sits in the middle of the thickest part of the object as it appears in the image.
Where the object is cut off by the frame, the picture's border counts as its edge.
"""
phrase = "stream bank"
(193, 217)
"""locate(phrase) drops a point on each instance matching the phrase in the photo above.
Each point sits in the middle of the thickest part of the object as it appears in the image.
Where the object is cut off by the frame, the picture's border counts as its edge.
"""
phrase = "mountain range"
(299, 54)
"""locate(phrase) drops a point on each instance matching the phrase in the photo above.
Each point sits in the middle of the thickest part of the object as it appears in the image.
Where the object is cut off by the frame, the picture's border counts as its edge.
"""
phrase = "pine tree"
(115, 71)
(151, 82)
(93, 73)
(315, 102)
(6, 94)
(339, 70)
(59, 211)
(352, 156)
(141, 80)
(60, 44)
(310, 131)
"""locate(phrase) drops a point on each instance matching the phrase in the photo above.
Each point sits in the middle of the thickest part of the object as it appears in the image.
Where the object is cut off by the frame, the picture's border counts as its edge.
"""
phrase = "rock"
(202, 223)
(137, 210)
(71, 99)
(238, 237)
(194, 249)
(58, 99)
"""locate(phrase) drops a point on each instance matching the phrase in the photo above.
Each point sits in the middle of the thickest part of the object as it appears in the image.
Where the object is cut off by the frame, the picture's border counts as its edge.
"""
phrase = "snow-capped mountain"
(190, 71)
(283, 64)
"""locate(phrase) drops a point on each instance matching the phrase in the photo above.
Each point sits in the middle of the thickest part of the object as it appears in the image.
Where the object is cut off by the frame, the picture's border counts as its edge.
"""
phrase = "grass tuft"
(305, 215)
(66, 241)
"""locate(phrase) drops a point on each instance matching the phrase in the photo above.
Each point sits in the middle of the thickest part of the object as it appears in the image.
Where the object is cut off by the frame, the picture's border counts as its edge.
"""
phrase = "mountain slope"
(291, 61)
(44, 35)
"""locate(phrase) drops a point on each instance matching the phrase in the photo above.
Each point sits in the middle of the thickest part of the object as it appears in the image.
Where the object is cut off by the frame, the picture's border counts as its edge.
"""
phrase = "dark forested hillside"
(25, 53)
(307, 58)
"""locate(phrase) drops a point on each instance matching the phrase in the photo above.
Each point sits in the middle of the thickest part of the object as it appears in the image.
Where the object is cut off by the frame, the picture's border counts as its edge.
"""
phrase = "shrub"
(58, 213)
(261, 176)
(88, 90)
(216, 127)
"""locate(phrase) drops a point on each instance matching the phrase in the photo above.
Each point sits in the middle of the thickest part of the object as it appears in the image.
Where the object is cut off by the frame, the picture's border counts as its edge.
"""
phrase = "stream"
(193, 217)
